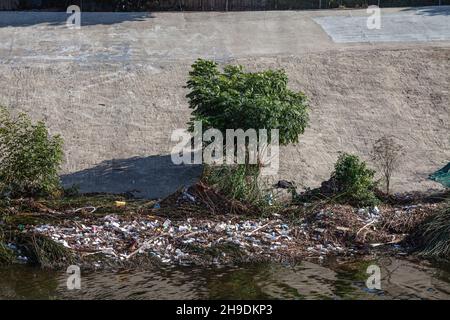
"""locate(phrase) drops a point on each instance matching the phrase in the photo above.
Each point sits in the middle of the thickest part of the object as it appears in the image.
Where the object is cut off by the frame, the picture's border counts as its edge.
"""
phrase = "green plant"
(234, 99)
(354, 181)
(239, 182)
(29, 156)
(236, 181)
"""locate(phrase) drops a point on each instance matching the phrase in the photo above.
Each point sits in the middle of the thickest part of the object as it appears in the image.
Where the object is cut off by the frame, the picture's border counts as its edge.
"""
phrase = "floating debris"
(122, 238)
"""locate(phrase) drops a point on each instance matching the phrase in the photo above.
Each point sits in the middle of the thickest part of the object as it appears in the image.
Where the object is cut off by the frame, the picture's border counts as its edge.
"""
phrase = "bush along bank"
(29, 157)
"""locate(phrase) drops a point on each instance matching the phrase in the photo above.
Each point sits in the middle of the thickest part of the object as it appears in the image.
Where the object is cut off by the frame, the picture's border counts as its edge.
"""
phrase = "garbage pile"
(348, 230)
(343, 229)
(405, 219)
(171, 242)
(332, 230)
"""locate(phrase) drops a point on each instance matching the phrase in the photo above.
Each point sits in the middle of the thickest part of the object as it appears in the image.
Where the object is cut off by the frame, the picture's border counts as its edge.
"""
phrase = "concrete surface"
(144, 177)
(115, 90)
(42, 37)
(432, 24)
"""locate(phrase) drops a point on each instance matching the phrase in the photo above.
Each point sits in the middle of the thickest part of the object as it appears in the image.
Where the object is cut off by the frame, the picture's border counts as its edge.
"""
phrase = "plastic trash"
(166, 224)
(375, 211)
(183, 228)
(269, 199)
(188, 196)
(220, 227)
(122, 237)
(120, 204)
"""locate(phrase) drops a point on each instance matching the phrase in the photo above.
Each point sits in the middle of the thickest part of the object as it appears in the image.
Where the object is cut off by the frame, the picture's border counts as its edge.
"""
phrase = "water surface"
(400, 279)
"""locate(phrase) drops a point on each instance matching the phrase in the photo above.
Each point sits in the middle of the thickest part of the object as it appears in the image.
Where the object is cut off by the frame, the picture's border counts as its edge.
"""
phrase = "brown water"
(400, 279)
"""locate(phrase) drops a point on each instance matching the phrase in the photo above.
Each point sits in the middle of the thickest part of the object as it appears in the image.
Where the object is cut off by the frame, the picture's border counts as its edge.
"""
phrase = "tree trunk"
(387, 185)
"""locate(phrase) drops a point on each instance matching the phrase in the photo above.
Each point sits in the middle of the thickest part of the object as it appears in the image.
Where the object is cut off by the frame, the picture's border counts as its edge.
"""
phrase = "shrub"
(386, 154)
(29, 156)
(235, 181)
(354, 181)
(234, 99)
(238, 182)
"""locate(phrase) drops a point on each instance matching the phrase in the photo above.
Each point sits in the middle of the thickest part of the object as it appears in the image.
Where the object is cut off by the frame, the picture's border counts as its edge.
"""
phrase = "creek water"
(400, 279)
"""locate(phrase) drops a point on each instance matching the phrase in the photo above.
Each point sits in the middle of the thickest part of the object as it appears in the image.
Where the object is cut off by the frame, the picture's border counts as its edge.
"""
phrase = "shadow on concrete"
(144, 177)
(26, 19)
(431, 11)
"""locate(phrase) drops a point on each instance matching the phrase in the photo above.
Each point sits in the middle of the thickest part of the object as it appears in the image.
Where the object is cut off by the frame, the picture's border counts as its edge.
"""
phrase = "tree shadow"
(430, 11)
(31, 18)
(144, 177)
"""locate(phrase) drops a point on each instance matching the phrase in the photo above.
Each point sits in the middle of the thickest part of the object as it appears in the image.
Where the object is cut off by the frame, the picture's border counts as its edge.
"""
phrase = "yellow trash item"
(120, 203)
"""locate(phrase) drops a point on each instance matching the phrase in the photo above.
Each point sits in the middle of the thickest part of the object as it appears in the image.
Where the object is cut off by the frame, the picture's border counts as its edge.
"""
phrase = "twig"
(145, 244)
(385, 243)
(260, 228)
(370, 223)
(93, 209)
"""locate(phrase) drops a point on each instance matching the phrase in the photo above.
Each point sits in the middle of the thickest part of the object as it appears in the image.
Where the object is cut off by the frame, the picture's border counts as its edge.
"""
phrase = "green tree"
(234, 99)
(29, 157)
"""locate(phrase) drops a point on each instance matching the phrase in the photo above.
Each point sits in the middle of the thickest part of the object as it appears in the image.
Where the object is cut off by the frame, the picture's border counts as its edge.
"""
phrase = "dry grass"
(434, 235)
(45, 252)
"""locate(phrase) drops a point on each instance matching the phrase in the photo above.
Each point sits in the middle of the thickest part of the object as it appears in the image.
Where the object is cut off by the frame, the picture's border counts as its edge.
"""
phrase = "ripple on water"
(400, 279)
